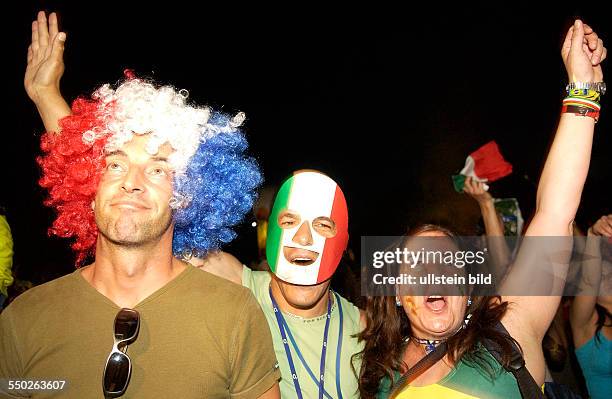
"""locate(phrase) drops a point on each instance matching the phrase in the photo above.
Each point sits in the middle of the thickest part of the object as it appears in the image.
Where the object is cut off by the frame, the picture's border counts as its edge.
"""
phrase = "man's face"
(302, 251)
(307, 237)
(131, 204)
(307, 229)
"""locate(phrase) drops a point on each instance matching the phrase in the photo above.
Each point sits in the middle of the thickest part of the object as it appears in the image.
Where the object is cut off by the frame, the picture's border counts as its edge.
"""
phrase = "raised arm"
(542, 266)
(45, 69)
(567, 164)
(499, 253)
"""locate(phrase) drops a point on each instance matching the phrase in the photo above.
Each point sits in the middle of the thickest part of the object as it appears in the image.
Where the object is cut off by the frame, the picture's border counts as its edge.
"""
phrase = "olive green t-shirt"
(200, 337)
(308, 334)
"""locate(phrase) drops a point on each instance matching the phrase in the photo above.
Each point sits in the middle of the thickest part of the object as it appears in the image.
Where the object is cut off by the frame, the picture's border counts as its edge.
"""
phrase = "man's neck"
(127, 275)
(319, 308)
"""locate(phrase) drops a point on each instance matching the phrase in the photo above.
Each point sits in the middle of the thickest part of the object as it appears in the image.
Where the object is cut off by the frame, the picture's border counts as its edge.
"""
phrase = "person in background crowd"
(6, 257)
(591, 312)
(499, 255)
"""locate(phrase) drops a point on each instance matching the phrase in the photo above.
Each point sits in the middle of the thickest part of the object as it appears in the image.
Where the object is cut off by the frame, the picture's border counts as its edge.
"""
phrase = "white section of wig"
(138, 107)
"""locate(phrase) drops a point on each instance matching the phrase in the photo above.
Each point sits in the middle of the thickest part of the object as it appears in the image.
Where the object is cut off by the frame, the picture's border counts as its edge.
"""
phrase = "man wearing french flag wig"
(141, 180)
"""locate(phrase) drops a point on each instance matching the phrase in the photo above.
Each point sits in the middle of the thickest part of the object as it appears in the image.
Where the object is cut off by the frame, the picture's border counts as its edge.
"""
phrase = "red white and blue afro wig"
(215, 182)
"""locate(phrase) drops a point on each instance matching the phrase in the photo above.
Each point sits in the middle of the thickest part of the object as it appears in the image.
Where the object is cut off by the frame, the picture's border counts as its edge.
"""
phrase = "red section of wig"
(71, 172)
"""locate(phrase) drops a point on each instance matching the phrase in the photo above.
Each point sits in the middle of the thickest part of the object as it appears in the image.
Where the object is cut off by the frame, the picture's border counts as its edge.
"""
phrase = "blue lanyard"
(339, 348)
(338, 351)
(282, 325)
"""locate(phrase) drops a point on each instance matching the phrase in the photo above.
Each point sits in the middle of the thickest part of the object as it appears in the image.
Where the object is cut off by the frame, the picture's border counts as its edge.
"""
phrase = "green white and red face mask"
(312, 196)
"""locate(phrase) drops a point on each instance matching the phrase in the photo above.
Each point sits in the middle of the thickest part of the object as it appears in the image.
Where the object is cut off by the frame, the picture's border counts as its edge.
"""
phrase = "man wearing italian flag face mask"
(313, 328)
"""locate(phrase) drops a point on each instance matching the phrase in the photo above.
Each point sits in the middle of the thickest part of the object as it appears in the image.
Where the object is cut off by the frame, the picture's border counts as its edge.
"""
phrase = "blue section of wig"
(221, 182)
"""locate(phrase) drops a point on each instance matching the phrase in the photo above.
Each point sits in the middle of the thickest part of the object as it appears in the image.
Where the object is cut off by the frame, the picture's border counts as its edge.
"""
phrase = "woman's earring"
(469, 302)
(466, 321)
(398, 302)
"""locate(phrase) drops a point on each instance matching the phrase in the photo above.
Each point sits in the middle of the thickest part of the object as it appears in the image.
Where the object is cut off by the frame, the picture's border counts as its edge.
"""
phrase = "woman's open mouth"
(435, 303)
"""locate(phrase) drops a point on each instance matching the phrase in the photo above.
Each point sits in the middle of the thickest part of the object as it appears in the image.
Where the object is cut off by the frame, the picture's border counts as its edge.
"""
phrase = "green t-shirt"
(200, 337)
(465, 381)
(308, 334)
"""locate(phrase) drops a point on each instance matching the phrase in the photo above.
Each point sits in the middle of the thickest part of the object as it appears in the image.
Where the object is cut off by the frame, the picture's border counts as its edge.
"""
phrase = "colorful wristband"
(587, 94)
(582, 102)
(580, 111)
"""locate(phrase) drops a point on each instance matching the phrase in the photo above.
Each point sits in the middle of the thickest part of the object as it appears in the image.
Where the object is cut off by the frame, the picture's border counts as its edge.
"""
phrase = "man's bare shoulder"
(221, 264)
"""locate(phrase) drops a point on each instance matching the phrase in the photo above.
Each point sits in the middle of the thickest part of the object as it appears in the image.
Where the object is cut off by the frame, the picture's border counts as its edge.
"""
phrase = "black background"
(387, 101)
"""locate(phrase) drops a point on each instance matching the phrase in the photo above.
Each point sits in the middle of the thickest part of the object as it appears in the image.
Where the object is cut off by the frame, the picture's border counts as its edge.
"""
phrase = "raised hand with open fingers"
(45, 58)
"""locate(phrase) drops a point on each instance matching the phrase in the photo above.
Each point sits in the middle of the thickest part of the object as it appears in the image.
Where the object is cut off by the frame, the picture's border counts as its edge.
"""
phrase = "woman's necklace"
(430, 344)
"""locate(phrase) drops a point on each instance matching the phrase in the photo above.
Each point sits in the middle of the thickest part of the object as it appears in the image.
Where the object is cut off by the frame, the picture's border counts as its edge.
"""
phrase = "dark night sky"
(388, 102)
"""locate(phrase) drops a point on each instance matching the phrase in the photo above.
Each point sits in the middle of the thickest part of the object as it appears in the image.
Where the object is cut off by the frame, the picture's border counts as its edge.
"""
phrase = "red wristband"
(580, 111)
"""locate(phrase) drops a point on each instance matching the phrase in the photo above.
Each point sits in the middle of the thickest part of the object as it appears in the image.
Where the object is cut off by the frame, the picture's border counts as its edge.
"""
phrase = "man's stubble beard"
(129, 231)
(301, 298)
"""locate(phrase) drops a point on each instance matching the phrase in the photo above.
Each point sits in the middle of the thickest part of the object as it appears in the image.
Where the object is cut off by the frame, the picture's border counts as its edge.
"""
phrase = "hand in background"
(603, 227)
(475, 189)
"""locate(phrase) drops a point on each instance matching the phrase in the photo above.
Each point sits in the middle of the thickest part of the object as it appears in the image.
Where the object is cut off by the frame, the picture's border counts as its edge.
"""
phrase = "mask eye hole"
(288, 220)
(324, 226)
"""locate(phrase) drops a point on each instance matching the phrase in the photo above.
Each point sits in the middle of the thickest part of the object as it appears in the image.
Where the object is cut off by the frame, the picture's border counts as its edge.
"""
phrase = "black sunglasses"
(118, 368)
